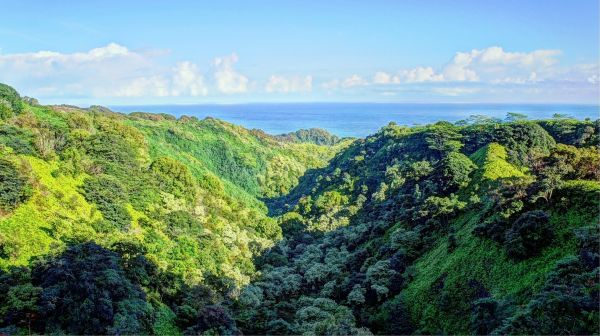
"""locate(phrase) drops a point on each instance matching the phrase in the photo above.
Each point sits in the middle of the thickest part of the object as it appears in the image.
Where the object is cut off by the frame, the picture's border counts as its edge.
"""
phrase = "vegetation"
(148, 224)
(313, 135)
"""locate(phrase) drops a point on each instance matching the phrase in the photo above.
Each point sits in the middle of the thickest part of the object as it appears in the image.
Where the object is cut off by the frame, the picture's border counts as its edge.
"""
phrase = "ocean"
(356, 119)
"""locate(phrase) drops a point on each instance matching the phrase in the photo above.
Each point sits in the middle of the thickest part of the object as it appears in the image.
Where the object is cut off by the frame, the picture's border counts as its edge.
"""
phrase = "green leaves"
(174, 177)
(10, 102)
(14, 187)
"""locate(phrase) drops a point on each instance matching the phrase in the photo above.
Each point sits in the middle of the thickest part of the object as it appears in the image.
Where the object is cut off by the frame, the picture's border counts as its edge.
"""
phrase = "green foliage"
(313, 135)
(492, 160)
(430, 236)
(110, 198)
(19, 139)
(85, 291)
(147, 224)
(14, 187)
(573, 132)
(10, 102)
(455, 171)
(529, 234)
(174, 177)
(519, 138)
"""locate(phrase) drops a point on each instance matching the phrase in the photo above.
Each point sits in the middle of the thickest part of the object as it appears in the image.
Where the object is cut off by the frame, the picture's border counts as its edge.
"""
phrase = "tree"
(110, 197)
(174, 177)
(213, 319)
(528, 234)
(454, 171)
(85, 291)
(10, 102)
(14, 187)
(513, 116)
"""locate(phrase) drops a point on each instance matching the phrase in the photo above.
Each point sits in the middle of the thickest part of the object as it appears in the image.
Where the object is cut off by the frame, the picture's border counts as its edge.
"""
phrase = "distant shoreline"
(355, 119)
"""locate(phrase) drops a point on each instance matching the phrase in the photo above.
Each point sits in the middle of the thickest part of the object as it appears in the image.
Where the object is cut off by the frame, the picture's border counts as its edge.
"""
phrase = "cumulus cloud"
(157, 86)
(493, 64)
(354, 80)
(489, 65)
(227, 78)
(188, 81)
(94, 72)
(184, 80)
(112, 71)
(416, 75)
(485, 68)
(286, 85)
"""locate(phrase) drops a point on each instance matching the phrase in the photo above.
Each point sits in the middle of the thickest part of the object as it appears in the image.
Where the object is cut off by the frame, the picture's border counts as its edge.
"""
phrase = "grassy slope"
(484, 260)
(29, 230)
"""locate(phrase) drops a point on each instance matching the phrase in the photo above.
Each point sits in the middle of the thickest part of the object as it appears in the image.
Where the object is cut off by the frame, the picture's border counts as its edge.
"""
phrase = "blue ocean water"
(356, 119)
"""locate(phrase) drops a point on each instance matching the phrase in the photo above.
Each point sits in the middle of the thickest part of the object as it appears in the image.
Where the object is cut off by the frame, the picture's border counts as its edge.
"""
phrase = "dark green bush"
(529, 234)
(112, 153)
(10, 102)
(86, 291)
(110, 197)
(19, 139)
(14, 188)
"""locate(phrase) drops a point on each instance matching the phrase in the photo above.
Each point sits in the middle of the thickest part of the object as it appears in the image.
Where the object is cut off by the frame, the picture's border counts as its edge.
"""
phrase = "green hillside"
(148, 224)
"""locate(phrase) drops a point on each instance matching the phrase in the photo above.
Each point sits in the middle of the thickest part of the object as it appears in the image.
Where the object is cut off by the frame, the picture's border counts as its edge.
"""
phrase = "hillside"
(484, 228)
(148, 224)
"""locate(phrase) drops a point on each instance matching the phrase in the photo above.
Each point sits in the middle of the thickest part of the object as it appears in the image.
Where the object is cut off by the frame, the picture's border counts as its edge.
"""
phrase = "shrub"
(213, 320)
(180, 222)
(455, 169)
(10, 102)
(19, 139)
(174, 177)
(109, 196)
(85, 291)
(14, 188)
(528, 234)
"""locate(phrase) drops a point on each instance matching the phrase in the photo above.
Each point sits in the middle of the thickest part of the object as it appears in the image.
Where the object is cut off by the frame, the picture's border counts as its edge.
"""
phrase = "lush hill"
(180, 197)
(312, 135)
(484, 228)
(144, 223)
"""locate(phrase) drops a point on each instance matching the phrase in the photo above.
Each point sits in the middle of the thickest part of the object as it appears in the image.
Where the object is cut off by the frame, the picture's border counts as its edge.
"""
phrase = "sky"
(183, 52)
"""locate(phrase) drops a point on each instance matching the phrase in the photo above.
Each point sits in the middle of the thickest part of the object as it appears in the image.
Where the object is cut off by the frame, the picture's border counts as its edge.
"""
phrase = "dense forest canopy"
(148, 224)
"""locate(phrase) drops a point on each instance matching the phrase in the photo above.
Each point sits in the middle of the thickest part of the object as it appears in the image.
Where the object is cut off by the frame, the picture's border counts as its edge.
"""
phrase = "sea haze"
(355, 119)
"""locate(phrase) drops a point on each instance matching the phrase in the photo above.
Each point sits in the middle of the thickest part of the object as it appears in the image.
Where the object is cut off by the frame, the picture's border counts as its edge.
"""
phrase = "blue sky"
(151, 52)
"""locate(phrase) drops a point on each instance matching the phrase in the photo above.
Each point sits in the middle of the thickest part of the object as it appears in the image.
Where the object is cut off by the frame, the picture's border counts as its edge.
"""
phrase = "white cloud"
(187, 80)
(494, 65)
(228, 80)
(455, 91)
(114, 71)
(117, 71)
(381, 77)
(354, 80)
(419, 75)
(156, 86)
(109, 71)
(285, 85)
(490, 65)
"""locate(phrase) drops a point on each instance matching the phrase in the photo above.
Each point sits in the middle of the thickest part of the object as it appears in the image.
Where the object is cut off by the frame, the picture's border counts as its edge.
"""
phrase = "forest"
(145, 223)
